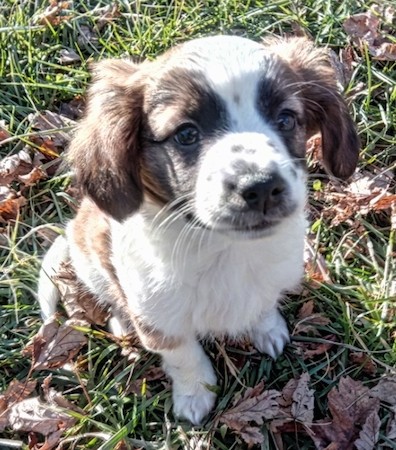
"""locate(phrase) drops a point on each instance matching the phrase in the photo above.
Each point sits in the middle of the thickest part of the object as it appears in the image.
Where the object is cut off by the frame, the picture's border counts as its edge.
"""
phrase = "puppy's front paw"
(195, 406)
(192, 375)
(271, 335)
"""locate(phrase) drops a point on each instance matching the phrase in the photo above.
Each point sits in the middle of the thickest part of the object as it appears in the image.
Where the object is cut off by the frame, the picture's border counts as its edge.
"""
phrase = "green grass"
(360, 303)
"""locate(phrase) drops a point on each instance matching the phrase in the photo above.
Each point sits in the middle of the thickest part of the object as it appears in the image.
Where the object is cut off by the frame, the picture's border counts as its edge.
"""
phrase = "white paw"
(195, 406)
(271, 335)
(192, 375)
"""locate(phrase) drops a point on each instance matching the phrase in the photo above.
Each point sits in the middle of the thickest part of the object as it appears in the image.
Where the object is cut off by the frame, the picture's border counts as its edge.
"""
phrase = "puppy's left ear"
(325, 108)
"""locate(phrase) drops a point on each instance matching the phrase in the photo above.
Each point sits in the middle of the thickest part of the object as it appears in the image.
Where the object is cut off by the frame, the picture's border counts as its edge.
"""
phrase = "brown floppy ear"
(325, 108)
(104, 150)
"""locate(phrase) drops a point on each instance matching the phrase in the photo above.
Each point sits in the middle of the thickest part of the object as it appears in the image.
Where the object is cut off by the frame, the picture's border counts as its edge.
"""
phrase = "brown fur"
(91, 232)
(326, 110)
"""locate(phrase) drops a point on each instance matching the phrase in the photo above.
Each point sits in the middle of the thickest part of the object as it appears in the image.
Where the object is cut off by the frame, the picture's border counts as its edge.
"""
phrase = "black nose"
(265, 193)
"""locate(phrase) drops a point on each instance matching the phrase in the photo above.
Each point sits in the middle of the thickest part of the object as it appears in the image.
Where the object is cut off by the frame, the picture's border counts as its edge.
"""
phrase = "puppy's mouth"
(262, 228)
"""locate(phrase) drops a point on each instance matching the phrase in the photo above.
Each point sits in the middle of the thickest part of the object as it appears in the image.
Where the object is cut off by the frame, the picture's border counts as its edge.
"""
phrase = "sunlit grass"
(360, 302)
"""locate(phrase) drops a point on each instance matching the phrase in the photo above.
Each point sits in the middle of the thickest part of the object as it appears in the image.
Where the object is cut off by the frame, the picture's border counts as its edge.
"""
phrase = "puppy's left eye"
(286, 121)
(187, 135)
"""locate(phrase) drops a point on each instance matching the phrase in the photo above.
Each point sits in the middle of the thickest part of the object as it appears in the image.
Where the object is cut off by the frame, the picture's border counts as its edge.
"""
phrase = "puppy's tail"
(48, 293)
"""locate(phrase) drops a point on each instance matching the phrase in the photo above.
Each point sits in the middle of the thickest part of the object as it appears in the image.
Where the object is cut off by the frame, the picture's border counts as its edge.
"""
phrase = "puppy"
(194, 177)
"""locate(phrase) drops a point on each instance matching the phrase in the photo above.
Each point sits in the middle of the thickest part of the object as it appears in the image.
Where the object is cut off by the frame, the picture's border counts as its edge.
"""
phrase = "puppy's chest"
(213, 292)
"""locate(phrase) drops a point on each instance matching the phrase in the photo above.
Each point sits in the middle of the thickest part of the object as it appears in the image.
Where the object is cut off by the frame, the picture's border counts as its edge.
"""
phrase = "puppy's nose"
(264, 193)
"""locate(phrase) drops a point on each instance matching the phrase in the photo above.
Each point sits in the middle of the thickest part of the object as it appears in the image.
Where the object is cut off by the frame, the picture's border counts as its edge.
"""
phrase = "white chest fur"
(184, 280)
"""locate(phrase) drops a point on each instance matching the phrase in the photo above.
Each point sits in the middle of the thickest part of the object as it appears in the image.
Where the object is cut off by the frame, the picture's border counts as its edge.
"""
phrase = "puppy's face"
(215, 130)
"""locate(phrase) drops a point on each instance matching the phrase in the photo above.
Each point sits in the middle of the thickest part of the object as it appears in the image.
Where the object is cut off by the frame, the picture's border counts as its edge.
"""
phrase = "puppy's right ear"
(104, 152)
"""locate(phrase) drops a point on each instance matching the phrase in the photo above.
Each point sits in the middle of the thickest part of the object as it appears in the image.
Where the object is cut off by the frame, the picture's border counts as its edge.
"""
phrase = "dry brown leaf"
(310, 324)
(78, 303)
(385, 390)
(54, 14)
(107, 15)
(74, 109)
(55, 398)
(4, 133)
(367, 192)
(391, 426)
(362, 27)
(302, 408)
(16, 391)
(309, 350)
(56, 128)
(35, 175)
(34, 415)
(11, 167)
(368, 436)
(54, 346)
(315, 264)
(10, 204)
(349, 404)
(19, 390)
(364, 360)
(296, 402)
(306, 310)
(255, 406)
(87, 36)
(68, 56)
(386, 51)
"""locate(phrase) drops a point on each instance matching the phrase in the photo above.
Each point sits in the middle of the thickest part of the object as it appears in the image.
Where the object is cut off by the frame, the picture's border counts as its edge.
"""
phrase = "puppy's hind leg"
(48, 294)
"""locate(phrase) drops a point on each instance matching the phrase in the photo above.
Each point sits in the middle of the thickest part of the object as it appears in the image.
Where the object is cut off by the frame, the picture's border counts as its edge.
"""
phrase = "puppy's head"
(216, 129)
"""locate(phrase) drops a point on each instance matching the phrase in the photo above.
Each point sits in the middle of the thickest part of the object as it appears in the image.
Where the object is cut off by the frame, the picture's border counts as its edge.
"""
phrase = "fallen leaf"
(362, 27)
(54, 14)
(86, 36)
(368, 436)
(16, 391)
(302, 408)
(309, 350)
(256, 405)
(55, 128)
(367, 192)
(315, 265)
(11, 167)
(363, 360)
(391, 426)
(55, 345)
(68, 56)
(10, 204)
(386, 51)
(306, 310)
(77, 301)
(74, 109)
(32, 414)
(4, 133)
(55, 398)
(35, 175)
(314, 148)
(291, 403)
(107, 15)
(385, 390)
(349, 404)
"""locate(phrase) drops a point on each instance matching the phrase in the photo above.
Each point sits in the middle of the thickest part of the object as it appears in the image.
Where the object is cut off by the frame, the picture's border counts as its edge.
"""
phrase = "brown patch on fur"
(325, 108)
(154, 339)
(91, 233)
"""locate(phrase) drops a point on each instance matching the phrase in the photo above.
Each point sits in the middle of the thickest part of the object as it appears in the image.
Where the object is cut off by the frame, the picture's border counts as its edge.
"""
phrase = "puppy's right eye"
(187, 135)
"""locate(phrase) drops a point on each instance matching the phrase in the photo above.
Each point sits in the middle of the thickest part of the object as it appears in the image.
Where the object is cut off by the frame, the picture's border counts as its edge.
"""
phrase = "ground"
(335, 385)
